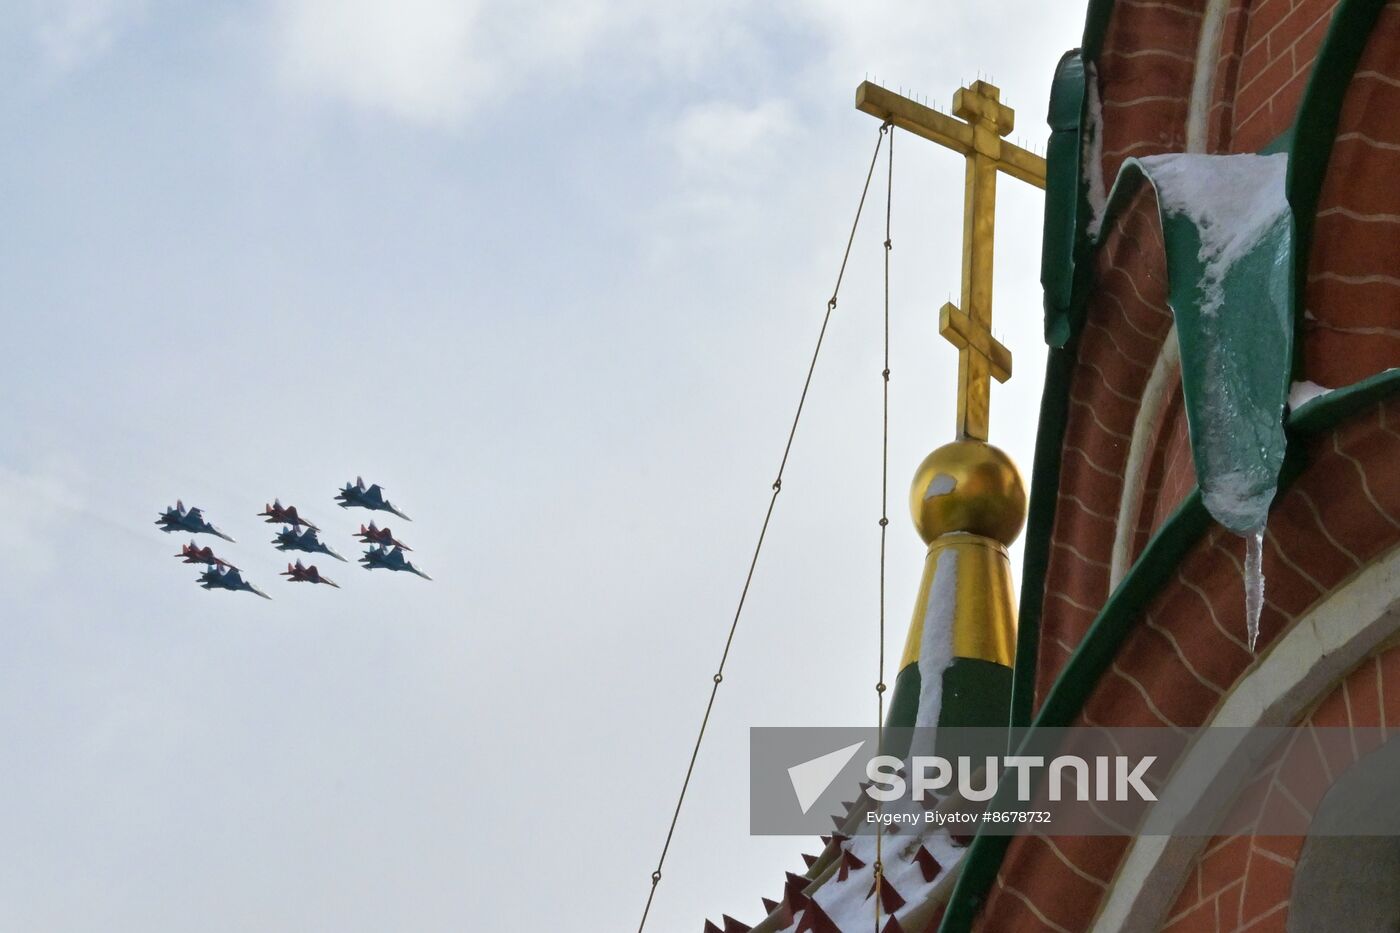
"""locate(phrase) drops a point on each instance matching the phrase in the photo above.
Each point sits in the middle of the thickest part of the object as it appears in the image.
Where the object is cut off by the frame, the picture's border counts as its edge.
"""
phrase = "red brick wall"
(1145, 73)
(1278, 44)
(1188, 647)
(1126, 321)
(1189, 644)
(1353, 291)
(1243, 881)
(1226, 81)
(1169, 473)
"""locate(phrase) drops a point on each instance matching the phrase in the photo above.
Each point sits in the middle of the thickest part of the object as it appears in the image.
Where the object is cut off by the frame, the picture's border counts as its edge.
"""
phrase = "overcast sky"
(550, 272)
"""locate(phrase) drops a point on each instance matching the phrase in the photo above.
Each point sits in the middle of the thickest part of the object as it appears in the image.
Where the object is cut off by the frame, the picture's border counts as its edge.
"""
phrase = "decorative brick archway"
(1245, 882)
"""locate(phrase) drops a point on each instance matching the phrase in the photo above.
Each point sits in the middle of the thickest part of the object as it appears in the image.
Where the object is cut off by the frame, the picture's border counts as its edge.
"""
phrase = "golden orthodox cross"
(976, 129)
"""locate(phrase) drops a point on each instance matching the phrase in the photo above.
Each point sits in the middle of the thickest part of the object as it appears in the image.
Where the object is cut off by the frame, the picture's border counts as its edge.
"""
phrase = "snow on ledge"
(1232, 200)
(1300, 393)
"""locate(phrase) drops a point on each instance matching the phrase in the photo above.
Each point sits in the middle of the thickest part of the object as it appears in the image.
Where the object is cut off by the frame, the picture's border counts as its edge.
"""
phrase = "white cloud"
(415, 59)
(40, 506)
(434, 62)
(723, 140)
(431, 62)
(73, 32)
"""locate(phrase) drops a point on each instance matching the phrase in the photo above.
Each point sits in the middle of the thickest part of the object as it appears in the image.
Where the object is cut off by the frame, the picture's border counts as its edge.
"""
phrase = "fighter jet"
(191, 520)
(289, 540)
(390, 560)
(216, 579)
(356, 495)
(298, 573)
(277, 514)
(373, 535)
(194, 554)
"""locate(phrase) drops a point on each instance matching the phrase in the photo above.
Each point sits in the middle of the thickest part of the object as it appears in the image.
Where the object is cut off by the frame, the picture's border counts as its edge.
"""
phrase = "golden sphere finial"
(968, 486)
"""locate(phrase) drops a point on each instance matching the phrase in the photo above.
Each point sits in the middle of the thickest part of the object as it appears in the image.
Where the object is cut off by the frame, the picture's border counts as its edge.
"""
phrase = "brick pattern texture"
(1267, 52)
(1126, 321)
(1351, 300)
(1243, 882)
(1145, 73)
(1189, 646)
(1352, 327)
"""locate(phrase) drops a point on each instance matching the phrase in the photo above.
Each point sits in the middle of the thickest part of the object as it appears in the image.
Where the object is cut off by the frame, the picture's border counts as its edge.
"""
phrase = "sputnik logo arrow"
(811, 778)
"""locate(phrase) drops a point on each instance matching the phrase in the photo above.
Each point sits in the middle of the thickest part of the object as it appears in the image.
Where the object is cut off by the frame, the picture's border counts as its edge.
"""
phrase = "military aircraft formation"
(384, 551)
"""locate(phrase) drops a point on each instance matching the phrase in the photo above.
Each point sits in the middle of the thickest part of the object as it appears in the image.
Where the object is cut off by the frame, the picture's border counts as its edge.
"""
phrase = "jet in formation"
(297, 534)
(194, 554)
(278, 514)
(299, 573)
(357, 495)
(217, 579)
(288, 539)
(389, 559)
(189, 520)
(374, 535)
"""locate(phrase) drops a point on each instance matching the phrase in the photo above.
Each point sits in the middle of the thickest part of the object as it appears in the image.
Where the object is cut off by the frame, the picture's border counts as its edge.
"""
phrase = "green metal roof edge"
(1064, 214)
(1054, 399)
(1330, 409)
(1040, 522)
(1309, 142)
(1096, 27)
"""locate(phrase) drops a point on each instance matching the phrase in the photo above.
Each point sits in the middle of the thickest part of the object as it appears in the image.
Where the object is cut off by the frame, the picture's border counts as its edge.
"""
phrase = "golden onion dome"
(968, 486)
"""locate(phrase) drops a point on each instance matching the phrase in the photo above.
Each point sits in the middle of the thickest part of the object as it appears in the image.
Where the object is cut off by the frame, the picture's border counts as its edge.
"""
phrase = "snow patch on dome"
(936, 649)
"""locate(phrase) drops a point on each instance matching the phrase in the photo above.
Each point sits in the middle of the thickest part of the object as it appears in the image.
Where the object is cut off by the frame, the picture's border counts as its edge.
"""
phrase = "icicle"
(1253, 582)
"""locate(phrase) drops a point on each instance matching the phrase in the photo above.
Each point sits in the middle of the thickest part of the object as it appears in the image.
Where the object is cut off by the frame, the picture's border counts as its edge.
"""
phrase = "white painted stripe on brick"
(1317, 517)
(1181, 656)
(1358, 215)
(1358, 136)
(1095, 416)
(1029, 906)
(1106, 384)
(1155, 5)
(1359, 331)
(1210, 608)
(1070, 865)
(1203, 81)
(1084, 506)
(1127, 318)
(1079, 554)
(1370, 75)
(1290, 563)
(1077, 605)
(1146, 144)
(1154, 399)
(1145, 99)
(1146, 698)
(1373, 279)
(1365, 486)
(1142, 53)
